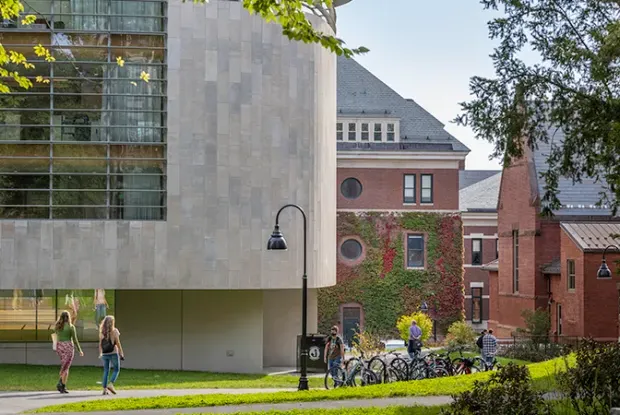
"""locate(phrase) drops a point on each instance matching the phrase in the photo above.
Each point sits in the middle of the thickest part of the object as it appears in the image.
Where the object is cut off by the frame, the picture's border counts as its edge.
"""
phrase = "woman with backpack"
(110, 352)
(65, 341)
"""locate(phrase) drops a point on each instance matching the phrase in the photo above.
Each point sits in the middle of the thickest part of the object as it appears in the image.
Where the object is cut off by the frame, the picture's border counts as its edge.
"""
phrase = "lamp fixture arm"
(305, 230)
(616, 247)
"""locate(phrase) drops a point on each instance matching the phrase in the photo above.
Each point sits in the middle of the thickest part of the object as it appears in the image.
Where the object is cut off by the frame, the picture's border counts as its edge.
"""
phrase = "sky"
(426, 50)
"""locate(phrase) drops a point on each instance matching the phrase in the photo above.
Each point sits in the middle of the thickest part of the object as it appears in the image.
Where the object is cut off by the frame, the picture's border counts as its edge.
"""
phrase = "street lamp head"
(276, 241)
(603, 271)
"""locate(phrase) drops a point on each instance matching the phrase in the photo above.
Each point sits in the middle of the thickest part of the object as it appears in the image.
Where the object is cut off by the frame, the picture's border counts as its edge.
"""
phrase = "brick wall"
(383, 189)
(571, 301)
(515, 213)
(600, 297)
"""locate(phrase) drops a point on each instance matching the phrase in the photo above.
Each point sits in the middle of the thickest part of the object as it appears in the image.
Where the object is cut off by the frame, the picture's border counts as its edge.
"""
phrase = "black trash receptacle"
(316, 353)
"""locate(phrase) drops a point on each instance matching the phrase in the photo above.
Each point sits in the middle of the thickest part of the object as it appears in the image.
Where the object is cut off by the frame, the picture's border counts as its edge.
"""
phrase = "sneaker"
(59, 387)
(105, 392)
(111, 388)
(64, 389)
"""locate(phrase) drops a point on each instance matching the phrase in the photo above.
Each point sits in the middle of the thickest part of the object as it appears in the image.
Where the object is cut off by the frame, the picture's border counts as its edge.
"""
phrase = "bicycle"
(463, 365)
(484, 366)
(358, 374)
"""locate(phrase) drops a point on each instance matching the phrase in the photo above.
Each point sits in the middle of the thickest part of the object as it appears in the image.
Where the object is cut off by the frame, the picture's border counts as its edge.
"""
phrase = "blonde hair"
(107, 327)
(64, 318)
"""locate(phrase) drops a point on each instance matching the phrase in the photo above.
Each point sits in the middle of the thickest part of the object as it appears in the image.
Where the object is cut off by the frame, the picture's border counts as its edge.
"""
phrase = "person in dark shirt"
(334, 349)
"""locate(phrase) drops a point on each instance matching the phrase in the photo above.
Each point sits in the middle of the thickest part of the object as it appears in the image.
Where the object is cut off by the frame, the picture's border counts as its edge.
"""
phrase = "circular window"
(351, 249)
(351, 188)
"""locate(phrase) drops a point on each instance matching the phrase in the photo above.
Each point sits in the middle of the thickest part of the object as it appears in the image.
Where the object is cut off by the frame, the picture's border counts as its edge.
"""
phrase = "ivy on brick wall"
(382, 284)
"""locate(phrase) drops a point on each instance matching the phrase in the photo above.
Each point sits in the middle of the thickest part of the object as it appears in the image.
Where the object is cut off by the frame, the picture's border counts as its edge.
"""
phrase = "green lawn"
(40, 378)
(392, 410)
(542, 375)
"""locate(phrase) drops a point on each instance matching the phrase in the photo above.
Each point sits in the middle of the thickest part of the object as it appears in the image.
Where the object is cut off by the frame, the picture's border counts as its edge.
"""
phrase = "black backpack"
(107, 345)
(479, 342)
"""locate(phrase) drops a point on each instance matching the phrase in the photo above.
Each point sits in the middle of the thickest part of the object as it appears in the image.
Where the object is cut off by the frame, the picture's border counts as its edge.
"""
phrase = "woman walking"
(66, 341)
(111, 352)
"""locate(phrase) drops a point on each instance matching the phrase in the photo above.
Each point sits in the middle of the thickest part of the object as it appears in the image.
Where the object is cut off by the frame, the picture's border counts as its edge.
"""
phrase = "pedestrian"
(334, 350)
(110, 352)
(489, 348)
(479, 341)
(415, 342)
(66, 341)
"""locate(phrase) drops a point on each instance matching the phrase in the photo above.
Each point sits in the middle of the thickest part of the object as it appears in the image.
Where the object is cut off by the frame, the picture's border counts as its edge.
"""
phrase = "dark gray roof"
(481, 196)
(577, 198)
(359, 90)
(469, 177)
(552, 268)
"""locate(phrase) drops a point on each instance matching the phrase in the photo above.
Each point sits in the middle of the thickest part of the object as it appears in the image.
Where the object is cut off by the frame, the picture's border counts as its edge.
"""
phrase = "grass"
(542, 375)
(391, 410)
(40, 378)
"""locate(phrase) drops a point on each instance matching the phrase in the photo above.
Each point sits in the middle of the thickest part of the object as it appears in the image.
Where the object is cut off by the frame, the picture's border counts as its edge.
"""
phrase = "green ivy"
(387, 293)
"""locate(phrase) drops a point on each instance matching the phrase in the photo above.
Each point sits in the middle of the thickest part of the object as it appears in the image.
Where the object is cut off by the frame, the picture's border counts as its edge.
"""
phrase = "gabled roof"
(469, 177)
(481, 196)
(552, 268)
(360, 91)
(592, 237)
(577, 198)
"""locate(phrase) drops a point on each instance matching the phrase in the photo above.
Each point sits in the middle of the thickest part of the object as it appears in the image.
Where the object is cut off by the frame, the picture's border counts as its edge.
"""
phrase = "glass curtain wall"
(90, 144)
(30, 315)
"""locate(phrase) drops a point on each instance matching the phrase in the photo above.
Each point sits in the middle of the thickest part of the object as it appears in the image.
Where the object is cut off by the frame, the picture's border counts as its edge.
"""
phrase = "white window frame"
(368, 134)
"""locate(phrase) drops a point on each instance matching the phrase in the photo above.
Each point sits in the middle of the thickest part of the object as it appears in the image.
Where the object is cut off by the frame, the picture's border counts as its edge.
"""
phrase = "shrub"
(368, 343)
(532, 352)
(424, 321)
(508, 391)
(593, 383)
(537, 324)
(461, 334)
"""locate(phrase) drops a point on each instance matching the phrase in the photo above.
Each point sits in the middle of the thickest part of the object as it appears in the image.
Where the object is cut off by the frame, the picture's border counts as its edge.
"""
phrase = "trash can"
(316, 353)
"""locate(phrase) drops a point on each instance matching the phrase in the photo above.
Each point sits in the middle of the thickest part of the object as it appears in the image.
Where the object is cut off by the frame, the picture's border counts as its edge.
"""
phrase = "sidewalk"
(14, 403)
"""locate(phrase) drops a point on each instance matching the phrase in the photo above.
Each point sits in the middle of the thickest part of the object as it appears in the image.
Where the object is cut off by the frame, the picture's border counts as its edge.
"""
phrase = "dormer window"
(339, 131)
(383, 130)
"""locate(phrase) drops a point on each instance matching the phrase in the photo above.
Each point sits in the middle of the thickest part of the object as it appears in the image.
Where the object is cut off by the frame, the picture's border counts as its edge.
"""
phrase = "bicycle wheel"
(401, 368)
(480, 364)
(364, 377)
(418, 370)
(335, 378)
(464, 366)
(349, 364)
(378, 366)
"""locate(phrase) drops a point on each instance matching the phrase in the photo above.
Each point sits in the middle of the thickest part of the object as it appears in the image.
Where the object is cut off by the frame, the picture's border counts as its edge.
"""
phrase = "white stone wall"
(251, 127)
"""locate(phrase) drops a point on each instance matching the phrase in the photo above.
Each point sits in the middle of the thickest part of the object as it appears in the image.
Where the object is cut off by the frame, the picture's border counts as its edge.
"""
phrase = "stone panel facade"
(251, 125)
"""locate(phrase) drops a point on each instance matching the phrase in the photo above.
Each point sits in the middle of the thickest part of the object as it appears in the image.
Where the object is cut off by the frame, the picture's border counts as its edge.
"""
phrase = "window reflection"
(99, 115)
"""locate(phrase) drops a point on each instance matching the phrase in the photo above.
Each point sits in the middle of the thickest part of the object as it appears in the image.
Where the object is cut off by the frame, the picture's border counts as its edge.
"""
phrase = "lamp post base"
(303, 384)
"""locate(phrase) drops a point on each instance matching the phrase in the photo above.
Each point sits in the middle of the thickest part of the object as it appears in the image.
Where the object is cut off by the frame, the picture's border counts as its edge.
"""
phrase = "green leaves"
(575, 87)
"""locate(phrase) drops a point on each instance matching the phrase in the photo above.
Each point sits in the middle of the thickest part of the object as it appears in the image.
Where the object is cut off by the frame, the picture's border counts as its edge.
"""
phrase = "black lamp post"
(604, 271)
(278, 243)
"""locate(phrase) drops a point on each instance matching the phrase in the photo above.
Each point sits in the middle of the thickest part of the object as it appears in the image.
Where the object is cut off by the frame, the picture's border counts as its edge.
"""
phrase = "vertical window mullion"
(51, 133)
(106, 89)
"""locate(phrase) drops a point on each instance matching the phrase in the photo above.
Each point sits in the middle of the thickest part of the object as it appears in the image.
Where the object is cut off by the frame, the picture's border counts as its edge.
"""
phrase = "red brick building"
(552, 263)
(400, 240)
(478, 205)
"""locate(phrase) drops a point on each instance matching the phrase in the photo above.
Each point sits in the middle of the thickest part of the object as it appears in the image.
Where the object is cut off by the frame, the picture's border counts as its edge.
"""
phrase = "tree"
(290, 14)
(575, 87)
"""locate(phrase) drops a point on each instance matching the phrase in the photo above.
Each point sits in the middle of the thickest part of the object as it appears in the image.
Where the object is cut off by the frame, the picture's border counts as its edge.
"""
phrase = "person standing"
(415, 342)
(65, 348)
(110, 352)
(479, 341)
(489, 347)
(101, 305)
(334, 349)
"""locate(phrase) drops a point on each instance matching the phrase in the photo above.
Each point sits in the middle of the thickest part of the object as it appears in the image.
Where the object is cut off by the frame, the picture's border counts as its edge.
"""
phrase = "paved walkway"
(16, 402)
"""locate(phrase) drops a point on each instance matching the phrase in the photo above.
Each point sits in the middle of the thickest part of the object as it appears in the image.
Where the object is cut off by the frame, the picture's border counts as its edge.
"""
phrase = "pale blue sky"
(425, 50)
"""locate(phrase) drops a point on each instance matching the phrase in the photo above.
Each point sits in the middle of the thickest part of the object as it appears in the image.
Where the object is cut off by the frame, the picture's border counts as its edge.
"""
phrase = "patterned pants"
(66, 353)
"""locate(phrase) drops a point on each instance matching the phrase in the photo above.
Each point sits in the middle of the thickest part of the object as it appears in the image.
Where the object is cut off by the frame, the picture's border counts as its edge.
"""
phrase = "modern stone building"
(164, 192)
